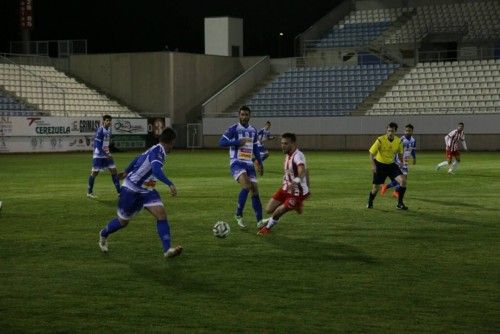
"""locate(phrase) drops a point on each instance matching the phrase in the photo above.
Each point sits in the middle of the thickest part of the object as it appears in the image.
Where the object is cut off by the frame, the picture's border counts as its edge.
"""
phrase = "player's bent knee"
(123, 222)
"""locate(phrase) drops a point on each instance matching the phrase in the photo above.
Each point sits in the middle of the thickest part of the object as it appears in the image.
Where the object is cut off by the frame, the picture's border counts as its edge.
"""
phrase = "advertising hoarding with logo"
(59, 134)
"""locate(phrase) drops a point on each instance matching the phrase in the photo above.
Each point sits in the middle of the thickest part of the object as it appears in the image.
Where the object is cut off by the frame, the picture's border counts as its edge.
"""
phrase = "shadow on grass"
(449, 218)
(107, 202)
(451, 204)
(311, 248)
(173, 275)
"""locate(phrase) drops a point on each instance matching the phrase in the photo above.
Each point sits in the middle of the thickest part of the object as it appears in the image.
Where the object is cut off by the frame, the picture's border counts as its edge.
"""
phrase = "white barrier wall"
(59, 134)
(358, 132)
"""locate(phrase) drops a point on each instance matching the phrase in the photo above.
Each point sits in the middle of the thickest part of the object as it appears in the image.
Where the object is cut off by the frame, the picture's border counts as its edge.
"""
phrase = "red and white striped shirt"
(453, 140)
(292, 162)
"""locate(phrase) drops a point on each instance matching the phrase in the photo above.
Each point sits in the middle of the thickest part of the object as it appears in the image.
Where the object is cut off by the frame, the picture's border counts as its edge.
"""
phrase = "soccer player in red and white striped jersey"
(295, 188)
(453, 141)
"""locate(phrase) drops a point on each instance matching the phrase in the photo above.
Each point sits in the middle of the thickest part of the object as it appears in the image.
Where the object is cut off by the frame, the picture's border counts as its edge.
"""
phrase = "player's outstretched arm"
(158, 173)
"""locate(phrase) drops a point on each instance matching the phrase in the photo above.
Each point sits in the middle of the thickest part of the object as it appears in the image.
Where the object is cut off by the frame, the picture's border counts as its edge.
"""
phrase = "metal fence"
(53, 48)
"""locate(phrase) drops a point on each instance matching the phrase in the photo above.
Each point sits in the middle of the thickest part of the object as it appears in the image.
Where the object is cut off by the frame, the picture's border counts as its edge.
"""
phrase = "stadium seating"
(352, 34)
(319, 91)
(12, 107)
(470, 86)
(359, 28)
(56, 94)
(479, 19)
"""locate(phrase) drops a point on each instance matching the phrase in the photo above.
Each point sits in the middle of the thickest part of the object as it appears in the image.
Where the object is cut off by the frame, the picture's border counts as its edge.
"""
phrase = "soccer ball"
(221, 229)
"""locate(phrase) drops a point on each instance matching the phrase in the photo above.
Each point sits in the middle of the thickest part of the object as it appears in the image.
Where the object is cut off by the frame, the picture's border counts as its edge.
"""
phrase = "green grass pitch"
(339, 267)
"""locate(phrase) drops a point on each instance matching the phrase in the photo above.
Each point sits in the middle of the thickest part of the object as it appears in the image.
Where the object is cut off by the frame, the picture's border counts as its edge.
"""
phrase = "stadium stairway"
(395, 26)
(386, 52)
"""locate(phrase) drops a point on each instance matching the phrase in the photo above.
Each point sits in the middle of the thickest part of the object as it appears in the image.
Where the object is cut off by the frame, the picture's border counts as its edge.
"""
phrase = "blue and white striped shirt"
(140, 170)
(232, 138)
(101, 142)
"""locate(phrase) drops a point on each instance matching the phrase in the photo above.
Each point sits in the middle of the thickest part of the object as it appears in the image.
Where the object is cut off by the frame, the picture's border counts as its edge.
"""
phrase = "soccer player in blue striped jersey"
(409, 150)
(101, 158)
(241, 138)
(263, 135)
(138, 192)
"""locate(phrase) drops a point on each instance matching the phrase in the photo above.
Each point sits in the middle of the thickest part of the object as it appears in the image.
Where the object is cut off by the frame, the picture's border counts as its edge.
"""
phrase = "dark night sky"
(147, 25)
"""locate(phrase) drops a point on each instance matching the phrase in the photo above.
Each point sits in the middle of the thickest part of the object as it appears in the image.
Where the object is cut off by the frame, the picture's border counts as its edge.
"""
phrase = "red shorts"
(291, 202)
(450, 154)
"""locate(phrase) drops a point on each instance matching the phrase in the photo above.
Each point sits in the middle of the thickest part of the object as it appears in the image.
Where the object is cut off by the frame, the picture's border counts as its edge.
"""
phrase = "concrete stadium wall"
(170, 84)
(357, 133)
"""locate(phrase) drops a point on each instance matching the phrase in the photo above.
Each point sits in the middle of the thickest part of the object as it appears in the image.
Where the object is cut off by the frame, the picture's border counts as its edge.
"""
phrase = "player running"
(382, 154)
(452, 141)
(241, 138)
(295, 188)
(138, 192)
(409, 150)
(263, 135)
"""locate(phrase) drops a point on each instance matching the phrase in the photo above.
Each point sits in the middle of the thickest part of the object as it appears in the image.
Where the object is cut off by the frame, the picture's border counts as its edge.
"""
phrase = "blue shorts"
(99, 164)
(131, 202)
(238, 168)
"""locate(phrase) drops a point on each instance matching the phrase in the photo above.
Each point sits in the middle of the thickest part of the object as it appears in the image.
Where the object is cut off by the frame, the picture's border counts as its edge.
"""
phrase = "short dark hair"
(409, 126)
(167, 136)
(462, 124)
(290, 136)
(268, 122)
(393, 125)
(105, 117)
(245, 108)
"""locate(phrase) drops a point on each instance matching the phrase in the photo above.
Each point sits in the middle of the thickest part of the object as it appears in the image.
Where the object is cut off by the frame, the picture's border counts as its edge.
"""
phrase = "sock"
(113, 226)
(90, 188)
(392, 184)
(402, 191)
(442, 164)
(116, 182)
(242, 198)
(272, 222)
(164, 233)
(257, 207)
(454, 166)
(371, 197)
(398, 188)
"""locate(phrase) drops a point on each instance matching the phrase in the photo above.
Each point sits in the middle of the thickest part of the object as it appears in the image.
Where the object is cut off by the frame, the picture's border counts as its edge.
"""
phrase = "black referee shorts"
(383, 171)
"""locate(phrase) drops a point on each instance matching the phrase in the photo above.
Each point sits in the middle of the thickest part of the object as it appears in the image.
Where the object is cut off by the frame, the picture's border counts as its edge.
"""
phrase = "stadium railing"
(21, 81)
(218, 103)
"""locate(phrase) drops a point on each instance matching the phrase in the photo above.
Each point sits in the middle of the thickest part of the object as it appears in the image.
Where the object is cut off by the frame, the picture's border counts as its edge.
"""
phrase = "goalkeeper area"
(338, 267)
